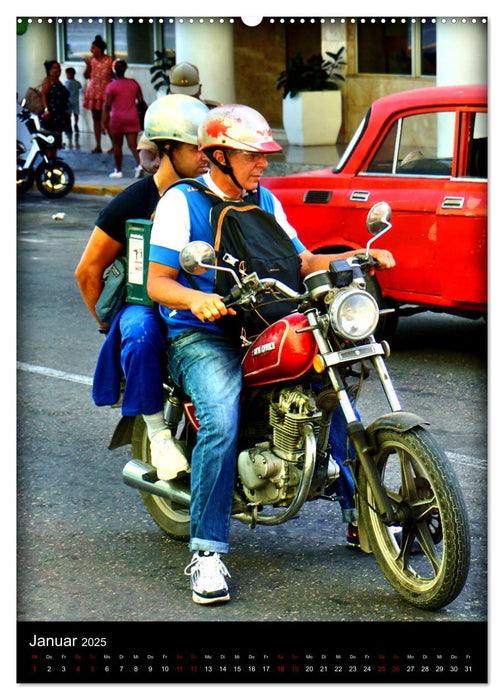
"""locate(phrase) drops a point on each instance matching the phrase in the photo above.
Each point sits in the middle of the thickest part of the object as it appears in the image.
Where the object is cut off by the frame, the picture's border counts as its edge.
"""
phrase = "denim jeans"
(134, 347)
(208, 368)
(344, 484)
(143, 345)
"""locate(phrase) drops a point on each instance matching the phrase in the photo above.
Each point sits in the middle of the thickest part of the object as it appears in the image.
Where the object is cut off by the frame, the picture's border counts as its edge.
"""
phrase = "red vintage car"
(425, 153)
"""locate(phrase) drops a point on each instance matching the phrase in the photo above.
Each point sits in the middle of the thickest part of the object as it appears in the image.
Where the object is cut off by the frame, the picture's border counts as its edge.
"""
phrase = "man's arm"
(311, 262)
(100, 252)
(162, 287)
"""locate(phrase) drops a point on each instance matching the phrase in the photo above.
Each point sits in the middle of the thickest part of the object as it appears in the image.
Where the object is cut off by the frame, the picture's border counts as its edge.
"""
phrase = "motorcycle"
(296, 373)
(54, 178)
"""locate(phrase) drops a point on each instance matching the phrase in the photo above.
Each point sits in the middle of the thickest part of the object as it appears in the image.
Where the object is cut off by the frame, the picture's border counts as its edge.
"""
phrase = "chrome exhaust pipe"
(142, 476)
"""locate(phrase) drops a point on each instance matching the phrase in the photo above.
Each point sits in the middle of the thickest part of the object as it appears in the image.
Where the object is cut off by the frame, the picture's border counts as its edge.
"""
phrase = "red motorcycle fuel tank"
(282, 352)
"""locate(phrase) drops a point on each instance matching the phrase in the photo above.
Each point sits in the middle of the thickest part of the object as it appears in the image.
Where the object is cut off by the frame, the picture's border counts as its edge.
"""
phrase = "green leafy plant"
(160, 69)
(314, 75)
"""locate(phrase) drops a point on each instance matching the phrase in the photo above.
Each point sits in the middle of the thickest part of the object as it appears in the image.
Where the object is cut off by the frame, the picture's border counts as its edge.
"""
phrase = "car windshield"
(354, 141)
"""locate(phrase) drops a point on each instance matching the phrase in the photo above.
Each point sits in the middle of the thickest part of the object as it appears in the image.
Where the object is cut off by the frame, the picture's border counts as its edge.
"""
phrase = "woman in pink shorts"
(120, 116)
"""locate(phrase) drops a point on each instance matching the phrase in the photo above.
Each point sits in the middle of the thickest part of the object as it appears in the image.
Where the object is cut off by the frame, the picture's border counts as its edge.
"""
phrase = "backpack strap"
(198, 185)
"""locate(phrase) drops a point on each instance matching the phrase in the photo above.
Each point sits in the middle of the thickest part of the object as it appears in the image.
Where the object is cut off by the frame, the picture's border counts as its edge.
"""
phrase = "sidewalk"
(92, 169)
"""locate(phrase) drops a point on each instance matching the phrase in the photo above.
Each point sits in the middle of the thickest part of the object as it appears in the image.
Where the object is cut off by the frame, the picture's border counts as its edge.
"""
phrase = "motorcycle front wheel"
(171, 517)
(54, 180)
(426, 560)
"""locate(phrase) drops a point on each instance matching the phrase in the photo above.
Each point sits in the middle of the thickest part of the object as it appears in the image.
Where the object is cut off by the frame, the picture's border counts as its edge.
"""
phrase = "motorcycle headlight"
(354, 314)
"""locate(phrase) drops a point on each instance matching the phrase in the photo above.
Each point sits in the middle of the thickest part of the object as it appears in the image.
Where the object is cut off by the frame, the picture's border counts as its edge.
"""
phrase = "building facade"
(239, 62)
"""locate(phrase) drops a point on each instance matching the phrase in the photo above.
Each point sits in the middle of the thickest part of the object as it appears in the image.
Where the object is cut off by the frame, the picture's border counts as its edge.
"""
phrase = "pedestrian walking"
(120, 116)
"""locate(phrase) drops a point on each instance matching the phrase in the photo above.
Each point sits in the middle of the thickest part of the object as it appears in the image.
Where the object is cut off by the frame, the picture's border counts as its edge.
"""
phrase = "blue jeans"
(208, 368)
(143, 345)
(135, 346)
(344, 484)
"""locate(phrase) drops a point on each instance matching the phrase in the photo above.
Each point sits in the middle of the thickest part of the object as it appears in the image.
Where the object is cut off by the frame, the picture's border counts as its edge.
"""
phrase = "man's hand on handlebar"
(209, 307)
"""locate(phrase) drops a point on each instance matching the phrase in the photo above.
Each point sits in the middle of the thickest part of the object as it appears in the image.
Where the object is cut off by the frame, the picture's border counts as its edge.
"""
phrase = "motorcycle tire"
(171, 517)
(24, 178)
(387, 323)
(55, 180)
(428, 563)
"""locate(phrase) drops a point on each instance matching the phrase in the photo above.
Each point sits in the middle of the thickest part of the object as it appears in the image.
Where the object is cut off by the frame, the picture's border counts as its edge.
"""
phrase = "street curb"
(99, 190)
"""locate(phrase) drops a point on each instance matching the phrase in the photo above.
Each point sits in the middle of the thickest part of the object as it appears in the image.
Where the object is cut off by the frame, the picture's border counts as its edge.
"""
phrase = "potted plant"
(160, 70)
(311, 105)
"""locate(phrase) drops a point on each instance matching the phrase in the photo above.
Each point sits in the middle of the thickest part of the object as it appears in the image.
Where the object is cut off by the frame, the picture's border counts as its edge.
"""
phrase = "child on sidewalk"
(73, 86)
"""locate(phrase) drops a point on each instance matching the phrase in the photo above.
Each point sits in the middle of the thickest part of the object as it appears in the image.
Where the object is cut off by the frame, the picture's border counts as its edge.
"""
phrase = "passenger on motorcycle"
(135, 344)
(201, 358)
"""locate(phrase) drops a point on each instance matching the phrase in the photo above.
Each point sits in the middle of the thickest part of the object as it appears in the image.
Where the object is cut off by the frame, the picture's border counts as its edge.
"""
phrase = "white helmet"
(239, 127)
(174, 118)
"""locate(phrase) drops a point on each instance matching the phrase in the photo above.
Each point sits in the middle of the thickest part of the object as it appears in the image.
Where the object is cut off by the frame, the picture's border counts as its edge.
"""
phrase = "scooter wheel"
(24, 178)
(54, 180)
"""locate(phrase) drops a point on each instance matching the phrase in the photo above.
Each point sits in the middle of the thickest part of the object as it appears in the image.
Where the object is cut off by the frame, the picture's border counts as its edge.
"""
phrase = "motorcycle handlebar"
(252, 285)
(365, 262)
(243, 293)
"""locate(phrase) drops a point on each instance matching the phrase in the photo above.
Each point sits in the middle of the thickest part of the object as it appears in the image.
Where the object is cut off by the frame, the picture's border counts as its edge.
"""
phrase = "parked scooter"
(302, 368)
(54, 178)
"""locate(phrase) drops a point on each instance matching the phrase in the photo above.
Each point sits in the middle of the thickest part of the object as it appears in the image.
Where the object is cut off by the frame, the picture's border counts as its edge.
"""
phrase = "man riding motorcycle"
(135, 345)
(202, 358)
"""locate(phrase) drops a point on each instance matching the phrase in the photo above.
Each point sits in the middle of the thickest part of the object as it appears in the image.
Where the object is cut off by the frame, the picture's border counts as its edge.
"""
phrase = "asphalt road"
(87, 550)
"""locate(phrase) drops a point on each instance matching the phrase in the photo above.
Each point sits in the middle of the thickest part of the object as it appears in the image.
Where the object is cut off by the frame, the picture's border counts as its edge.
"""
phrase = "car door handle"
(452, 203)
(360, 196)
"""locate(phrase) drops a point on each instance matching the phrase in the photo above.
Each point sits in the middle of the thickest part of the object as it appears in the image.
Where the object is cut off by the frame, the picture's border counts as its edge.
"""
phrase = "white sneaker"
(139, 171)
(208, 582)
(116, 173)
(166, 456)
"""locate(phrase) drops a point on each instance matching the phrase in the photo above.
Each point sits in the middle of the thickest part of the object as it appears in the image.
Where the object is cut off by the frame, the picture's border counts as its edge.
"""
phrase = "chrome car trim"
(360, 196)
(452, 203)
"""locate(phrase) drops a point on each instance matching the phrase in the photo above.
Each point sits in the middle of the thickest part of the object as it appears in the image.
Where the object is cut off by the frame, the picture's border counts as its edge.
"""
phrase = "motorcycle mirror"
(378, 221)
(197, 257)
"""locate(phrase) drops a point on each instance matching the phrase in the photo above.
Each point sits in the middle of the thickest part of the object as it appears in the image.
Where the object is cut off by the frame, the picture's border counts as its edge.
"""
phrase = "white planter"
(312, 118)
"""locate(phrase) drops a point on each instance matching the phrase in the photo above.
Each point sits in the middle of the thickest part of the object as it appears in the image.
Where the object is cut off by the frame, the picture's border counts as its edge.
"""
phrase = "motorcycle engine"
(270, 472)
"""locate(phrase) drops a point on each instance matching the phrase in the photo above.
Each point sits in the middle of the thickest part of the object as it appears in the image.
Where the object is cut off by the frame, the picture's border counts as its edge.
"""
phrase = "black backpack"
(248, 239)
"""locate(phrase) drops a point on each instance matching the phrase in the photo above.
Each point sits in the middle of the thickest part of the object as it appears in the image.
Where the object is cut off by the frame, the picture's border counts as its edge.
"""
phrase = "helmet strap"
(226, 167)
(169, 153)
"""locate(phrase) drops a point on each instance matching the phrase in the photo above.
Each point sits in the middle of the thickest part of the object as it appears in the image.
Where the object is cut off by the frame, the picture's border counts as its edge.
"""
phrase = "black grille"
(317, 196)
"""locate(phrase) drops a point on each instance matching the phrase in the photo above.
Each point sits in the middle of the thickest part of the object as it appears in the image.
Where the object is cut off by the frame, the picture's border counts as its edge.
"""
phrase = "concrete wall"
(36, 45)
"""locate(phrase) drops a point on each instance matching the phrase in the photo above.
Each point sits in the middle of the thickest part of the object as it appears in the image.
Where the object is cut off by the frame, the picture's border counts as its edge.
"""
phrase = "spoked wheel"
(427, 563)
(171, 517)
(54, 180)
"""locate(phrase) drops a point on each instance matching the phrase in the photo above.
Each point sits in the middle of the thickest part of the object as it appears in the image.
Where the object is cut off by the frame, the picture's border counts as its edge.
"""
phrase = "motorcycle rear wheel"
(55, 180)
(422, 485)
(171, 517)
